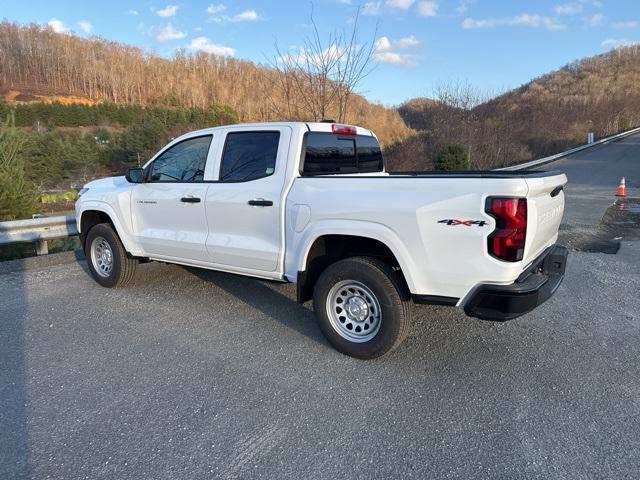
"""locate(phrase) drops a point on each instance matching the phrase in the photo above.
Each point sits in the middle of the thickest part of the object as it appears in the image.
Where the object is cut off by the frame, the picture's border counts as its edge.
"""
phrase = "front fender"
(122, 227)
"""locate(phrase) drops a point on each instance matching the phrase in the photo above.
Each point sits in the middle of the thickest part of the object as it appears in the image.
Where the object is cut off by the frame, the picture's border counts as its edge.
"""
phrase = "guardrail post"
(42, 247)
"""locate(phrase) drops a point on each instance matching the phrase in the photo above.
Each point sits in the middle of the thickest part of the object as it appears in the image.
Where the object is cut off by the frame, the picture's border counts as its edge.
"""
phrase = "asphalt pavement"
(193, 374)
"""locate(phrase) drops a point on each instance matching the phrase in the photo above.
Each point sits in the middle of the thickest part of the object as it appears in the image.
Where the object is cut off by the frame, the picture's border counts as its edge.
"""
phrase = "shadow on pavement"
(15, 462)
(269, 301)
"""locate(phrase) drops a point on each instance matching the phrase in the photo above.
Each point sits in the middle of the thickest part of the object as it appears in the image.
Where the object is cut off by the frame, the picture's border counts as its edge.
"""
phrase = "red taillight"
(343, 129)
(507, 240)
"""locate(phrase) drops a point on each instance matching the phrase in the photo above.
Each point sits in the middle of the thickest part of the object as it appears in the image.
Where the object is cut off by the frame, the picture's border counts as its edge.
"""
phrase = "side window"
(184, 162)
(249, 156)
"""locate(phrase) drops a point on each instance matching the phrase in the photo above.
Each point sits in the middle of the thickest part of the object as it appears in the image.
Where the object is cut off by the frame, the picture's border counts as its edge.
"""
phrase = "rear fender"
(375, 231)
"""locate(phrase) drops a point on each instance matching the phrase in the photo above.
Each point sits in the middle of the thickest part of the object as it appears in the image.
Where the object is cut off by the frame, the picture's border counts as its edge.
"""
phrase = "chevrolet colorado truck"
(311, 203)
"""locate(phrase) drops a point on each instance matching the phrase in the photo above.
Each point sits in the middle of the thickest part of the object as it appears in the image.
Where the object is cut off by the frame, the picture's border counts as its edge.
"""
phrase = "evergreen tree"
(452, 157)
(17, 195)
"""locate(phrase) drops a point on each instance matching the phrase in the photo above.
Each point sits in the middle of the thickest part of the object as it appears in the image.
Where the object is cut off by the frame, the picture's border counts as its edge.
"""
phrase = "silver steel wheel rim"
(102, 257)
(354, 311)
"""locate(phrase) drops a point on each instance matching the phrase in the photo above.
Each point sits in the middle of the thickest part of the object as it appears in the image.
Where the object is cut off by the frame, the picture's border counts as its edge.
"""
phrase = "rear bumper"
(535, 286)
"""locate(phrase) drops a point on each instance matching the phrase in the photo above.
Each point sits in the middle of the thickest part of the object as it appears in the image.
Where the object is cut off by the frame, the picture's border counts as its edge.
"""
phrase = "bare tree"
(319, 78)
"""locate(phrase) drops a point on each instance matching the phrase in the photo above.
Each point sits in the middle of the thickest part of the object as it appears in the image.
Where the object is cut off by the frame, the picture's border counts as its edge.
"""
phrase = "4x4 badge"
(466, 223)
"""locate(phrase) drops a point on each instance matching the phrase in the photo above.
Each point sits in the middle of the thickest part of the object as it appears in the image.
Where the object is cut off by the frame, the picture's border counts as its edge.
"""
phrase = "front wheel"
(362, 307)
(108, 261)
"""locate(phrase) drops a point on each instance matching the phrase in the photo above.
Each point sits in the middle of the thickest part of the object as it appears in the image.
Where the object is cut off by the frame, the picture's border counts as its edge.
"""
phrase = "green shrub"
(168, 112)
(17, 193)
(137, 143)
(53, 156)
(452, 157)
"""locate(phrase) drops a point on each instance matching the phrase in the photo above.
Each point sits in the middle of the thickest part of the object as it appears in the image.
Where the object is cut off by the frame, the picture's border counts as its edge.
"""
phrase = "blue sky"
(491, 44)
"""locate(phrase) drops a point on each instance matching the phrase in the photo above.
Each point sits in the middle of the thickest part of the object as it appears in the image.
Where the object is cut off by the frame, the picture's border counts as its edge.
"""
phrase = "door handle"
(190, 200)
(260, 202)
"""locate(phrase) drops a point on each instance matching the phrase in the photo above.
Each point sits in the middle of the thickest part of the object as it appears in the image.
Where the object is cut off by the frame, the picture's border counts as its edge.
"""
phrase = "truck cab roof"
(326, 127)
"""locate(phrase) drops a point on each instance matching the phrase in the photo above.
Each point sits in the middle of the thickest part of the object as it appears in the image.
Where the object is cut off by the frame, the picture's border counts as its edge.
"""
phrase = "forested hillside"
(600, 94)
(35, 59)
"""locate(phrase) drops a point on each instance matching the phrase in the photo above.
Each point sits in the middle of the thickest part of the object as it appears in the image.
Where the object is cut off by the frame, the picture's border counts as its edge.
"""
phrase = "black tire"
(123, 266)
(392, 296)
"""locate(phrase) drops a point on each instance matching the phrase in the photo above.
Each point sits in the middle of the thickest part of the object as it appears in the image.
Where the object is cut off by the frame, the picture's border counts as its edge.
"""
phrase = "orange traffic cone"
(621, 191)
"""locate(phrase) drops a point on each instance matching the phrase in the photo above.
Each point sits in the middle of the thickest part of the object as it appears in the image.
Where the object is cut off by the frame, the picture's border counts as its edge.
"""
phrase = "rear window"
(327, 153)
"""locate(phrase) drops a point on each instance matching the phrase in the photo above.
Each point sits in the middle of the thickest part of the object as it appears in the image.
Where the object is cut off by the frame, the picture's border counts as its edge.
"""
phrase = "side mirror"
(135, 175)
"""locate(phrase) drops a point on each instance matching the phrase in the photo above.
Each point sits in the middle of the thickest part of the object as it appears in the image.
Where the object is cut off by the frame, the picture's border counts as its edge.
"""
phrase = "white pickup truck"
(311, 203)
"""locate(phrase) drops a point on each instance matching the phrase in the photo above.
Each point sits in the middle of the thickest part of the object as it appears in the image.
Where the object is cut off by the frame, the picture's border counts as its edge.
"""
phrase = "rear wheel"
(362, 307)
(108, 261)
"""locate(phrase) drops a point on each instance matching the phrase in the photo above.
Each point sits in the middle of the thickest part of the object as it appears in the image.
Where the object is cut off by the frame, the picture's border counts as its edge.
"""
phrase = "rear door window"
(249, 155)
(327, 153)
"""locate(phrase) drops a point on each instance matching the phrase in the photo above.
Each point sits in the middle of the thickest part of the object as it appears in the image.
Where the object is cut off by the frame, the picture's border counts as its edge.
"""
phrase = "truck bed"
(441, 225)
(455, 174)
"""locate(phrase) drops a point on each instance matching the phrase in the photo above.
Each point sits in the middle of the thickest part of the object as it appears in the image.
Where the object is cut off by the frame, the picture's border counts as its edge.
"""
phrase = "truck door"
(168, 210)
(243, 207)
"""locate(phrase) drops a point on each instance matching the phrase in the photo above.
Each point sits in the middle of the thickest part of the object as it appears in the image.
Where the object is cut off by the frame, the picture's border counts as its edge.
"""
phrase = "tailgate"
(545, 206)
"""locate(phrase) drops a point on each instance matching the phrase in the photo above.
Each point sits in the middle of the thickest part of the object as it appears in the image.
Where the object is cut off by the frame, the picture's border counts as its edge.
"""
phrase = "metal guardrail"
(551, 158)
(38, 230)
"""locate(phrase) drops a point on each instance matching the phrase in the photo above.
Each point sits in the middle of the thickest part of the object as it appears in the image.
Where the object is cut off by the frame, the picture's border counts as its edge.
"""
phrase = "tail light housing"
(507, 241)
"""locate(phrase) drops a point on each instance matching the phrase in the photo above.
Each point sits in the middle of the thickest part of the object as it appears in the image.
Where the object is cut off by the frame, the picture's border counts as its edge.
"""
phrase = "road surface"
(192, 374)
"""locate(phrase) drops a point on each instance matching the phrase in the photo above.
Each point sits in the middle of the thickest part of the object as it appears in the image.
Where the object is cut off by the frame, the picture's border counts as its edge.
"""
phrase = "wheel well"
(89, 219)
(329, 249)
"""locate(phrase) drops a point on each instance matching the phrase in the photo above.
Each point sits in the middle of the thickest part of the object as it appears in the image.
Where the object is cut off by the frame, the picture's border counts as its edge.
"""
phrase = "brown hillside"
(24, 96)
(35, 59)
(600, 94)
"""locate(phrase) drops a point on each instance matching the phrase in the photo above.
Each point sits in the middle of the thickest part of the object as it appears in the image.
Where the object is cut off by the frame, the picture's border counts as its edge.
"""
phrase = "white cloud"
(386, 51)
(167, 33)
(627, 25)
(595, 20)
(409, 42)
(537, 21)
(383, 44)
(619, 42)
(372, 8)
(133, 12)
(203, 44)
(215, 9)
(403, 4)
(568, 8)
(534, 21)
(57, 26)
(168, 11)
(394, 58)
(463, 6)
(85, 26)
(428, 8)
(301, 55)
(246, 16)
